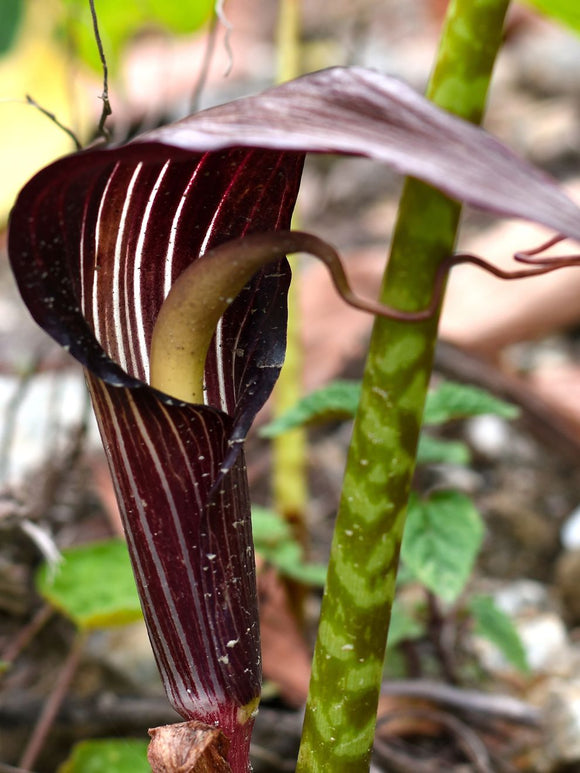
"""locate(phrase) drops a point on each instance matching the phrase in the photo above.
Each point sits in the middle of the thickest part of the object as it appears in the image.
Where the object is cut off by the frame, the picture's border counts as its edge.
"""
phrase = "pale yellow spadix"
(202, 293)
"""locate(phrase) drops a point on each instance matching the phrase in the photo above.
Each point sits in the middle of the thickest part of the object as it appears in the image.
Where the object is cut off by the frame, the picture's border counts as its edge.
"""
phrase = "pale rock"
(570, 533)
(489, 435)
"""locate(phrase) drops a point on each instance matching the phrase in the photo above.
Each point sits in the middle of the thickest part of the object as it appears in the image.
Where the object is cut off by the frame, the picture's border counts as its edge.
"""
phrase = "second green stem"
(348, 661)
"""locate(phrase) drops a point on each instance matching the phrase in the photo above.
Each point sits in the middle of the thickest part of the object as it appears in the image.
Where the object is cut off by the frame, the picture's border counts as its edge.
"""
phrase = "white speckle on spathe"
(225, 659)
(211, 556)
(232, 643)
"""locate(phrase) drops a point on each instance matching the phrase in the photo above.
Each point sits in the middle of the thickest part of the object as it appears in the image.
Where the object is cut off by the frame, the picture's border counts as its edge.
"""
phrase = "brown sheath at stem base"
(188, 747)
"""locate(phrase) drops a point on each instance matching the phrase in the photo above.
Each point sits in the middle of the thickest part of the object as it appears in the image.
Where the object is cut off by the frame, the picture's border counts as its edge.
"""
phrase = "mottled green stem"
(348, 661)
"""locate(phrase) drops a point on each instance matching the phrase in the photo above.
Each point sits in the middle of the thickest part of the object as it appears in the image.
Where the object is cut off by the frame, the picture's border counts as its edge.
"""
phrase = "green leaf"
(335, 402)
(115, 755)
(442, 538)
(403, 625)
(493, 624)
(339, 401)
(566, 11)
(459, 401)
(274, 541)
(434, 450)
(268, 528)
(119, 22)
(11, 17)
(93, 586)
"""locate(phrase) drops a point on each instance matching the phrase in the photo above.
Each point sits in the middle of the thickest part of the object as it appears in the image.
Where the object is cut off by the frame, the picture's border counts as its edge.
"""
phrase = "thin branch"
(504, 707)
(205, 63)
(27, 634)
(4, 768)
(228, 26)
(53, 703)
(467, 740)
(54, 119)
(102, 131)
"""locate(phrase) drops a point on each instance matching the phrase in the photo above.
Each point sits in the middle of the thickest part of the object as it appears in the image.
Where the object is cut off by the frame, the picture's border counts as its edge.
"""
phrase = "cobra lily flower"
(96, 242)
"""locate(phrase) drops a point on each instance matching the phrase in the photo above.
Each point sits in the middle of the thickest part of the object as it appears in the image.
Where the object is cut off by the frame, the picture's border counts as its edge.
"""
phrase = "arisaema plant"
(110, 241)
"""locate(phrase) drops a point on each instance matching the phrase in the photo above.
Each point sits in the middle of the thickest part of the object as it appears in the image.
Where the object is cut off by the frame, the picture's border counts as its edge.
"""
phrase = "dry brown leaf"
(285, 656)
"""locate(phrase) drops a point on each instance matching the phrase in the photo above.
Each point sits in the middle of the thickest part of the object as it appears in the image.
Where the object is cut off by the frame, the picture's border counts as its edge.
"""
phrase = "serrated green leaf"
(273, 540)
(115, 755)
(451, 400)
(119, 22)
(93, 585)
(493, 624)
(403, 625)
(335, 402)
(434, 450)
(566, 11)
(442, 538)
(339, 401)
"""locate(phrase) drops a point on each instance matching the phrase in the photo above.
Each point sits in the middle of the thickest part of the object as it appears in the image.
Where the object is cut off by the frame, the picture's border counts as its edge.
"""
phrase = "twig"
(438, 631)
(469, 742)
(54, 119)
(102, 714)
(272, 760)
(27, 634)
(502, 707)
(205, 63)
(102, 131)
(4, 768)
(53, 703)
(227, 25)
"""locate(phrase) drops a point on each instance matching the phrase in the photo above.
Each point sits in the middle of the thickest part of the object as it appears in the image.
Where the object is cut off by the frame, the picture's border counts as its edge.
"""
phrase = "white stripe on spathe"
(95, 278)
(153, 617)
(185, 551)
(168, 272)
(120, 325)
(195, 691)
(140, 354)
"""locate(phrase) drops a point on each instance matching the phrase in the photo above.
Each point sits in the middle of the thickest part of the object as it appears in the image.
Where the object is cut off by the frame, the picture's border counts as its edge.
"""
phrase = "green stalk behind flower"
(347, 668)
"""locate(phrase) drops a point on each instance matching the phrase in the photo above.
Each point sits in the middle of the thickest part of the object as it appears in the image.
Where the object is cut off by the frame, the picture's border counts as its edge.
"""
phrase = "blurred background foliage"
(48, 51)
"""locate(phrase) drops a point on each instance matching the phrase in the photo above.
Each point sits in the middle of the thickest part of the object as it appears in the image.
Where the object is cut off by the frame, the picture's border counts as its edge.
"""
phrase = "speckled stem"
(348, 661)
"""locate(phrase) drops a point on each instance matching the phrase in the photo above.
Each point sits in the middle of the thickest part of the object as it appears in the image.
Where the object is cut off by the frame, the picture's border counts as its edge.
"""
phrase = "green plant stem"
(348, 661)
(289, 451)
